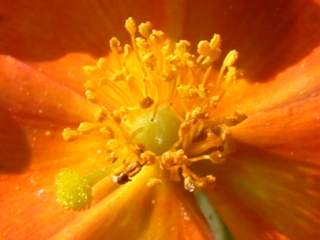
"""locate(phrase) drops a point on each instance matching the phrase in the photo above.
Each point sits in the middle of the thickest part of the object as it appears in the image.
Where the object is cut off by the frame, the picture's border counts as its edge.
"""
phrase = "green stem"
(218, 228)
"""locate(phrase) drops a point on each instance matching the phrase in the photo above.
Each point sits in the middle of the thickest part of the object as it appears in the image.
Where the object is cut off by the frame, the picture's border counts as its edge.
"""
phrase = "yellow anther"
(231, 58)
(145, 29)
(141, 43)
(100, 114)
(182, 46)
(101, 63)
(157, 36)
(119, 114)
(69, 134)
(89, 69)
(90, 95)
(148, 157)
(149, 60)
(187, 91)
(86, 127)
(204, 48)
(215, 42)
(198, 112)
(210, 179)
(107, 131)
(146, 102)
(191, 91)
(189, 184)
(131, 26)
(115, 45)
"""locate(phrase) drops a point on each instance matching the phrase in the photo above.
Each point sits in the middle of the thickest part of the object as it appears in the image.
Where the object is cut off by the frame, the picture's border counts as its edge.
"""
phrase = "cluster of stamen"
(154, 73)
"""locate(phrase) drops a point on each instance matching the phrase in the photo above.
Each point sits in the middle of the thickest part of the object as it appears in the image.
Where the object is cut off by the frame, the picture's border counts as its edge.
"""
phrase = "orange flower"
(267, 187)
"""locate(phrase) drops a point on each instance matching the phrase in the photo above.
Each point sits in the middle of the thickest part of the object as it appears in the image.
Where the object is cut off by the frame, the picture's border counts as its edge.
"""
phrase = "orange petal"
(175, 216)
(32, 153)
(293, 84)
(136, 211)
(27, 92)
(270, 180)
(27, 193)
(269, 35)
(58, 37)
(264, 196)
(291, 131)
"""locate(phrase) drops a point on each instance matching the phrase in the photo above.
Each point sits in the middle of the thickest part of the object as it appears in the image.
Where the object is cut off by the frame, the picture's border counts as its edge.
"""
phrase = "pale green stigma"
(157, 132)
(73, 190)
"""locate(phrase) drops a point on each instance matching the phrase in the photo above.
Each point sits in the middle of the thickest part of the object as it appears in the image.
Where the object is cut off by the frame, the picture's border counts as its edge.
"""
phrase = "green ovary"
(157, 133)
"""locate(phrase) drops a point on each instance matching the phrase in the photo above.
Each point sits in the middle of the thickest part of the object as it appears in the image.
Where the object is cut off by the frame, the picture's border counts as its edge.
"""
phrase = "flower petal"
(263, 196)
(291, 131)
(58, 37)
(27, 190)
(270, 181)
(139, 212)
(293, 84)
(27, 92)
(28, 196)
(269, 35)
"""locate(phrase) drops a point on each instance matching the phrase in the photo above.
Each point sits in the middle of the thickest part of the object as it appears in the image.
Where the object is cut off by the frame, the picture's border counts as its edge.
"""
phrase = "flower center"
(157, 103)
(158, 131)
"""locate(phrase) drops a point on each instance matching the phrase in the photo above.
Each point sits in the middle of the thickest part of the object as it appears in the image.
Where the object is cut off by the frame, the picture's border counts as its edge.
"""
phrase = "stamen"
(69, 134)
(157, 108)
